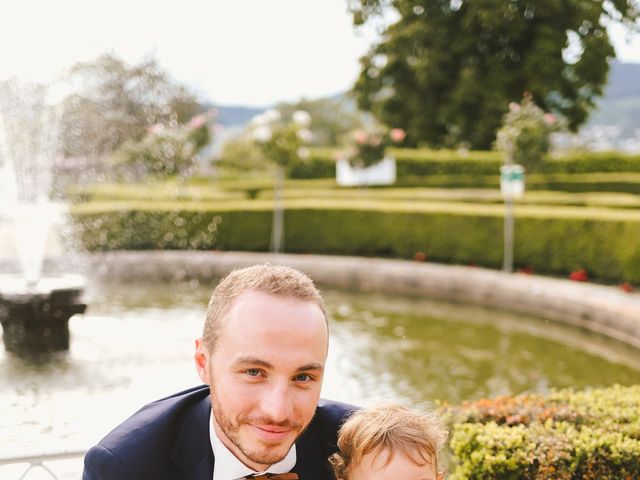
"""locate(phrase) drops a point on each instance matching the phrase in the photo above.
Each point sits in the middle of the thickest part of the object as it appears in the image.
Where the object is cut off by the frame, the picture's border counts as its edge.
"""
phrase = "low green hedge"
(320, 164)
(573, 183)
(471, 174)
(423, 163)
(567, 435)
(592, 162)
(551, 240)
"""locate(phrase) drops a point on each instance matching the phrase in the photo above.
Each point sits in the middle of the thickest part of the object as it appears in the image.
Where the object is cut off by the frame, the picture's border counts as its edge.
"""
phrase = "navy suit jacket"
(169, 440)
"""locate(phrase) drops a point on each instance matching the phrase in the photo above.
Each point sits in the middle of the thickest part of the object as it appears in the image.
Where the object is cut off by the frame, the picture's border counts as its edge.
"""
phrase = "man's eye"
(253, 372)
(303, 377)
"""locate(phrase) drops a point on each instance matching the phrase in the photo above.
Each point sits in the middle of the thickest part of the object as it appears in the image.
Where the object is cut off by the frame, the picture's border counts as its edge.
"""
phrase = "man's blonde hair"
(384, 430)
(275, 280)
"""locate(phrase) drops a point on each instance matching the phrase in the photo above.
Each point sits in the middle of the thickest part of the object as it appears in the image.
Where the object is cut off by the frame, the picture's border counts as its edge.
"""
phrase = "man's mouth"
(271, 433)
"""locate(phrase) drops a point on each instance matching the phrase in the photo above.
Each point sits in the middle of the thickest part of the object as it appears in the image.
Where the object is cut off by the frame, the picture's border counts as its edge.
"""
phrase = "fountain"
(34, 309)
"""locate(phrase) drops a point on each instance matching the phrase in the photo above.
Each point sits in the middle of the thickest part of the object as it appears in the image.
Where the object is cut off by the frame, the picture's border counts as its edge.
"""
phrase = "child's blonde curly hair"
(386, 429)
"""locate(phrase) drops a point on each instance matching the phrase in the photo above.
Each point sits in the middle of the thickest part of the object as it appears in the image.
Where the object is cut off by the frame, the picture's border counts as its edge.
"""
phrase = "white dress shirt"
(228, 467)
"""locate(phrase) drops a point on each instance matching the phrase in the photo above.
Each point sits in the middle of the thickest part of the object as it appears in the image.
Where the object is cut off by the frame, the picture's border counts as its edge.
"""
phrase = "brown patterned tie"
(274, 476)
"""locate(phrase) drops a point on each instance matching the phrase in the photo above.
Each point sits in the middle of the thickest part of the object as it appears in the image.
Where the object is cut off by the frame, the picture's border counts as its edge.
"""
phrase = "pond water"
(135, 345)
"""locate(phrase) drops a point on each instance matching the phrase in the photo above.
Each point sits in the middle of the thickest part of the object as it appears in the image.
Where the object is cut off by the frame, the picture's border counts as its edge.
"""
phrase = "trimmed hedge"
(574, 183)
(554, 240)
(413, 164)
(568, 435)
(320, 164)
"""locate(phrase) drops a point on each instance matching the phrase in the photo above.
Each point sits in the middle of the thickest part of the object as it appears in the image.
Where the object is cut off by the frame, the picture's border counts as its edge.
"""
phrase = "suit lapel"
(311, 461)
(192, 457)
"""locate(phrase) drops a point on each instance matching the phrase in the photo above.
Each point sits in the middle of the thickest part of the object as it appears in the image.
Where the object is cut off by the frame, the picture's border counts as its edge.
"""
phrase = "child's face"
(401, 467)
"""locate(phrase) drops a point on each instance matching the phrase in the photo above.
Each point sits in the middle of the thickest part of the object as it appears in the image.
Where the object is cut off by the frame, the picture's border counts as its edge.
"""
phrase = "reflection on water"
(135, 344)
(419, 350)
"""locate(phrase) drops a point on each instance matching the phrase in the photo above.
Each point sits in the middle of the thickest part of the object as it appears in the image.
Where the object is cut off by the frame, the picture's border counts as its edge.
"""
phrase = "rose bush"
(368, 147)
(525, 136)
(165, 149)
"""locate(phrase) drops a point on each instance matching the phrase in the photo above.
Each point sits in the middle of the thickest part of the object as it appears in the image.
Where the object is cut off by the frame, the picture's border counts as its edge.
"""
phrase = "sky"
(231, 52)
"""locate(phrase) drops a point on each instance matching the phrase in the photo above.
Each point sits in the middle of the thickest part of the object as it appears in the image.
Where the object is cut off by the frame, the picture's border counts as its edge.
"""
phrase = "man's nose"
(276, 402)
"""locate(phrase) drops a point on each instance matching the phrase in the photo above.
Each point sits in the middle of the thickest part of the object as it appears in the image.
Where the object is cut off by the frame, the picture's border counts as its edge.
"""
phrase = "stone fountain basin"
(16, 287)
(35, 317)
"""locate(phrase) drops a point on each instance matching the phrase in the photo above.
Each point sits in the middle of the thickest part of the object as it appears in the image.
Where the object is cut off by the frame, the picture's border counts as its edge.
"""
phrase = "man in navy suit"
(262, 358)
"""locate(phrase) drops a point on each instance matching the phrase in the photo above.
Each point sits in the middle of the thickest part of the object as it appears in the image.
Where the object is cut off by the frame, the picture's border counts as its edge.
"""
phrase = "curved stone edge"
(602, 309)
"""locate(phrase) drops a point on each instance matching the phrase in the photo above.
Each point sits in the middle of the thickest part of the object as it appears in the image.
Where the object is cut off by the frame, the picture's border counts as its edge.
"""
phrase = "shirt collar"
(227, 466)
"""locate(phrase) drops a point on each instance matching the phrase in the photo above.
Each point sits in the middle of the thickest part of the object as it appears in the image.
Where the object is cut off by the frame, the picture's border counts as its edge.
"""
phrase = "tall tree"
(112, 102)
(447, 70)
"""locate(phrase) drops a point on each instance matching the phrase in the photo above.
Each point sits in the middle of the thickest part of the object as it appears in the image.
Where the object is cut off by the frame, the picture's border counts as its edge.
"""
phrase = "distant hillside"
(614, 124)
(616, 121)
(229, 115)
(624, 80)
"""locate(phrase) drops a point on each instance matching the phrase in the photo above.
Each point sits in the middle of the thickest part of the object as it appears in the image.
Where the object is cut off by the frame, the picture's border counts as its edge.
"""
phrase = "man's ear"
(201, 358)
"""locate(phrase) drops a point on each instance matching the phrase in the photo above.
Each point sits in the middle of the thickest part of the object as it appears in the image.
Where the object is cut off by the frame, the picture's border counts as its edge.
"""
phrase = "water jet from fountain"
(34, 309)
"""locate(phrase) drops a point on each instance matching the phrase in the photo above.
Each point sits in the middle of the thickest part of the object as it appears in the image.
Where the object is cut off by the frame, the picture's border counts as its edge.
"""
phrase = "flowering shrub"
(165, 149)
(525, 134)
(368, 147)
(282, 143)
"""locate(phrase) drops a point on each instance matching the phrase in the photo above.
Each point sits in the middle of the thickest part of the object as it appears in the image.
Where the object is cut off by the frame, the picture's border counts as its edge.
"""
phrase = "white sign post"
(512, 187)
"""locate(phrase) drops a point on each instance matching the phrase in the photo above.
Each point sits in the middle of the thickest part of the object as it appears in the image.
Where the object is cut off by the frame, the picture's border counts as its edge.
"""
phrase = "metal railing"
(38, 460)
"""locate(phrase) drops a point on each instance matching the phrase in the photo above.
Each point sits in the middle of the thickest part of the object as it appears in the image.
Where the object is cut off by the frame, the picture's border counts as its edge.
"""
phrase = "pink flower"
(397, 135)
(549, 118)
(156, 129)
(360, 136)
(514, 107)
(197, 121)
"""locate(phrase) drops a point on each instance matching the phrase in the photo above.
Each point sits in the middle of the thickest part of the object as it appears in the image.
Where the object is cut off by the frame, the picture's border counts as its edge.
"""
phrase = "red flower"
(420, 257)
(528, 270)
(626, 287)
(579, 275)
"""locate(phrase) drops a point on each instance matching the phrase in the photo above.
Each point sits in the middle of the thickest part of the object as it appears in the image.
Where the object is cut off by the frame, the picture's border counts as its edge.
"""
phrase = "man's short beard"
(231, 432)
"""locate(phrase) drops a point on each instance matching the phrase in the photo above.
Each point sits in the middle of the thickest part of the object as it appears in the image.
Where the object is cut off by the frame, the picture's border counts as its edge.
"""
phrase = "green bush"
(553, 240)
(313, 167)
(567, 435)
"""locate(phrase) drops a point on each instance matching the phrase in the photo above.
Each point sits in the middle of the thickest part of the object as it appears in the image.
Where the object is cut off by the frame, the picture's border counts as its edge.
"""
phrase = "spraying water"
(28, 147)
